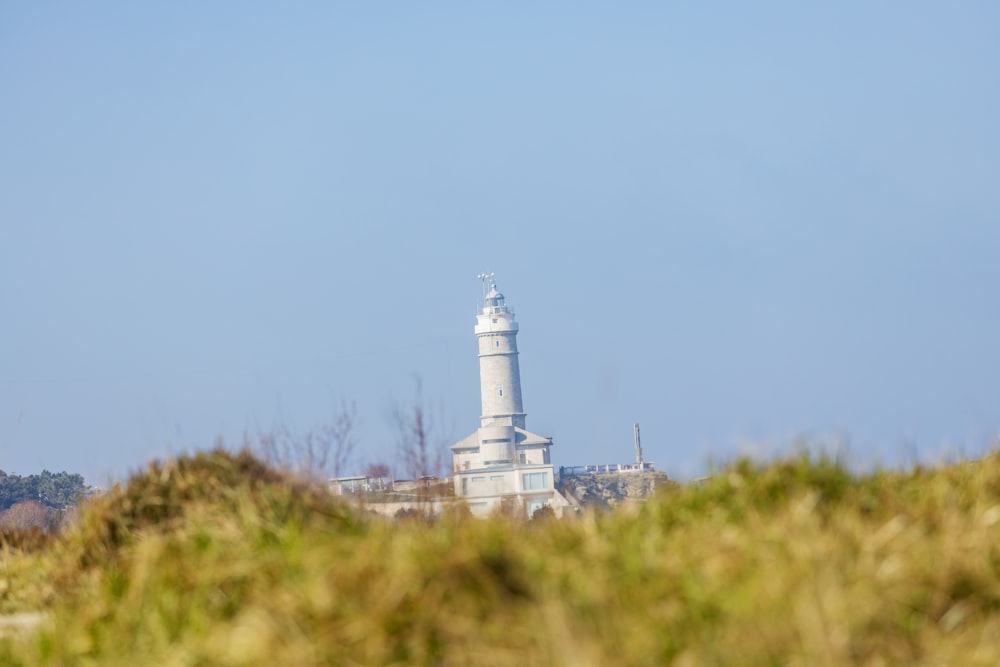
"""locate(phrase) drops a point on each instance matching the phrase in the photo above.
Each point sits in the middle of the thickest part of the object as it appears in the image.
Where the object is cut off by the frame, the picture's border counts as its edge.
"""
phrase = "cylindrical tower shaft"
(499, 375)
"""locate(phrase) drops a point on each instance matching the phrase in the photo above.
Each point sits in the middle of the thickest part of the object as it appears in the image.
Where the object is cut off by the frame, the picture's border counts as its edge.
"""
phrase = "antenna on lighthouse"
(488, 282)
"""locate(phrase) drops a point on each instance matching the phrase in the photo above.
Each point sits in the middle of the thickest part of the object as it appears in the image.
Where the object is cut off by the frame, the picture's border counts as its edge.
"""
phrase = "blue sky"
(737, 224)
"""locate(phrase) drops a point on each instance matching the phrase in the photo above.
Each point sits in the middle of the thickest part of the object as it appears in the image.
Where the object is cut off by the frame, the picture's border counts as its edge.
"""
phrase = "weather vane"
(487, 280)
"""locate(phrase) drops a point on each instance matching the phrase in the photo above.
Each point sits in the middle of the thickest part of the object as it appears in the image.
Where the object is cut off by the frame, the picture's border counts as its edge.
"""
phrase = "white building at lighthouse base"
(505, 468)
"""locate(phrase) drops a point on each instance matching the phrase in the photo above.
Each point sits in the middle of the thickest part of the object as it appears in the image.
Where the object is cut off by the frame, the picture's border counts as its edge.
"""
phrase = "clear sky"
(735, 223)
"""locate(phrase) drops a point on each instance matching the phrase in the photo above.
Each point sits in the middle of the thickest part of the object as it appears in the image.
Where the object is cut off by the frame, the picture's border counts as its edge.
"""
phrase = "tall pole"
(638, 447)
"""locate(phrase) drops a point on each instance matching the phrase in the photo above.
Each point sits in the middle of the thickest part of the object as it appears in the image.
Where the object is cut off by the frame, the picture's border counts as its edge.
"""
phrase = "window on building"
(496, 478)
(497, 341)
(501, 391)
(477, 480)
(535, 504)
(523, 458)
(535, 480)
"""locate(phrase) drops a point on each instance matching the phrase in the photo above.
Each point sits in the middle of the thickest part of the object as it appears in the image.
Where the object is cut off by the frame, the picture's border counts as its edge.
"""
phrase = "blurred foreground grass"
(218, 560)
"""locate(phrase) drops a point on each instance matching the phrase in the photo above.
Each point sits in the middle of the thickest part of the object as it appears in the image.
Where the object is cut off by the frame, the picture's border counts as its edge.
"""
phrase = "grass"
(218, 560)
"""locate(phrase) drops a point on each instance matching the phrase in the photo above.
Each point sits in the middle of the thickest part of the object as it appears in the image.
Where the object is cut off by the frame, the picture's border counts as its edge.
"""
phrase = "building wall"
(518, 479)
(533, 455)
(524, 504)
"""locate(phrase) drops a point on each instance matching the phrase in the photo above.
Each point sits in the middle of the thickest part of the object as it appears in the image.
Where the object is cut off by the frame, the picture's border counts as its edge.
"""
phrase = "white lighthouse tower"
(502, 460)
(499, 374)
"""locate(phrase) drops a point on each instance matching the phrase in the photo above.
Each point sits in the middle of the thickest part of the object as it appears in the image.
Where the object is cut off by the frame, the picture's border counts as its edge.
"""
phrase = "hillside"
(218, 560)
(610, 490)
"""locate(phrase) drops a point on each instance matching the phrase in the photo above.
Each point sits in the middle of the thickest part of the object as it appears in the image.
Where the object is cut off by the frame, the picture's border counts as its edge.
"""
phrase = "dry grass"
(217, 560)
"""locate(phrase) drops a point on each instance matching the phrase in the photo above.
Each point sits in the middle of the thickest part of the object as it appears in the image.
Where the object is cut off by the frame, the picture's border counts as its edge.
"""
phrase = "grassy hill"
(218, 560)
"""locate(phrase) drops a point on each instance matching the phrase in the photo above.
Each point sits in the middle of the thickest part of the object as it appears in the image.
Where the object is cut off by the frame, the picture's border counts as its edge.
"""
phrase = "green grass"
(218, 560)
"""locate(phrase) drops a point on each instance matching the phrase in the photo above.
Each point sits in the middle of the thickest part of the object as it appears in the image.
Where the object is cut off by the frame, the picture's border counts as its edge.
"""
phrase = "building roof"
(525, 437)
(522, 437)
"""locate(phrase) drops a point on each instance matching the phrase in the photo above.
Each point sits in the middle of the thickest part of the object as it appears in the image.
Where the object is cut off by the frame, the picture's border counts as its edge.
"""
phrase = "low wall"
(604, 468)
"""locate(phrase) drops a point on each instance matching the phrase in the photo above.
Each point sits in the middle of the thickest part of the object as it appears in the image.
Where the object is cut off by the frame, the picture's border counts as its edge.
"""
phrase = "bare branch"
(420, 451)
(314, 453)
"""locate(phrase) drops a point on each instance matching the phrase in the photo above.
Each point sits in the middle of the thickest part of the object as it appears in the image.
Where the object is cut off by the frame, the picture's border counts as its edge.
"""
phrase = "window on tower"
(497, 342)
(501, 391)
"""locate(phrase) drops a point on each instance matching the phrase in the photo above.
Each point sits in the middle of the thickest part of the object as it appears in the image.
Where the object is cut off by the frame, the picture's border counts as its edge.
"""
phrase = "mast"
(638, 447)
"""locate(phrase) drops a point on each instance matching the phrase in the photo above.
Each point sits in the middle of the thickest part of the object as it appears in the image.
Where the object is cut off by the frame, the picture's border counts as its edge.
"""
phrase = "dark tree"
(54, 490)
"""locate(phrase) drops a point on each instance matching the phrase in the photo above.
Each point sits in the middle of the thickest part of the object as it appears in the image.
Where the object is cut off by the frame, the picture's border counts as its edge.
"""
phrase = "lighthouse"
(502, 462)
(499, 374)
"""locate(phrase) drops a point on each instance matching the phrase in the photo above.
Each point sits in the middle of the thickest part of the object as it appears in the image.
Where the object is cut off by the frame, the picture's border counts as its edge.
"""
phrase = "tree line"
(54, 490)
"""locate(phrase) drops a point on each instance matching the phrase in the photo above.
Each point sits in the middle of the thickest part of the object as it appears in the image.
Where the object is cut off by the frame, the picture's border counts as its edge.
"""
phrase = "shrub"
(161, 497)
